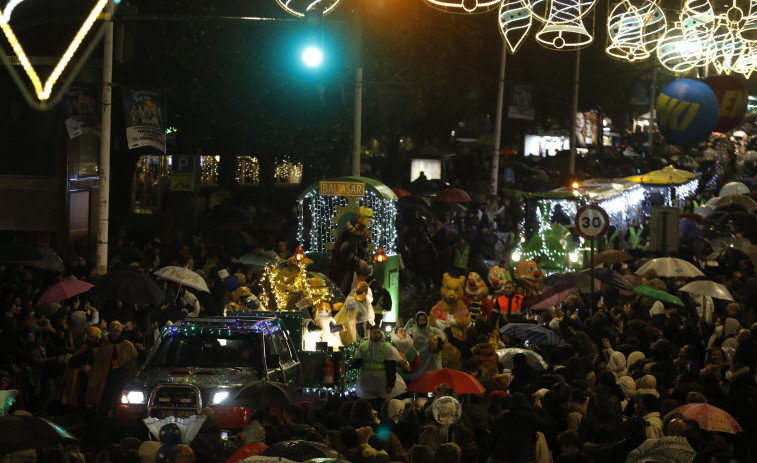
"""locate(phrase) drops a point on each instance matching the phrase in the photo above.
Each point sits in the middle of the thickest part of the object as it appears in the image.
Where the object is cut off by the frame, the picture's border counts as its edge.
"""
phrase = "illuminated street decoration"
(678, 52)
(514, 23)
(633, 32)
(749, 31)
(41, 90)
(301, 7)
(464, 6)
(563, 25)
(723, 47)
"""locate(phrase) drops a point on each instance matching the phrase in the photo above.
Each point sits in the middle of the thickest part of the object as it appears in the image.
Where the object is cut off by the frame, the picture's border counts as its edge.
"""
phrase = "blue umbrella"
(230, 283)
(688, 230)
(536, 334)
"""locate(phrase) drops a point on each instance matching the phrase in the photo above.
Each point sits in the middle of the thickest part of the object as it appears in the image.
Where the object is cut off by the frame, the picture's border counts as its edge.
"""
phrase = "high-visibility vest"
(510, 304)
(460, 258)
(609, 241)
(373, 366)
(635, 237)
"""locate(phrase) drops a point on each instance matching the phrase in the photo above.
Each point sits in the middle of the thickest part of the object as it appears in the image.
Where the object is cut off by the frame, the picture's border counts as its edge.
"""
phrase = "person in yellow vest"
(610, 240)
(507, 304)
(460, 255)
(636, 238)
(377, 360)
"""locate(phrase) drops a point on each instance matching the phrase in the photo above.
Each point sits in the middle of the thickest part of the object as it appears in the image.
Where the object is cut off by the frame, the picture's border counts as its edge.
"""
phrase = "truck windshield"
(209, 351)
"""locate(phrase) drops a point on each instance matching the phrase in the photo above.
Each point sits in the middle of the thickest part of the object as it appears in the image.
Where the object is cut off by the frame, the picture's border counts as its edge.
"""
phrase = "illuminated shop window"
(248, 170)
(288, 172)
(209, 170)
(150, 178)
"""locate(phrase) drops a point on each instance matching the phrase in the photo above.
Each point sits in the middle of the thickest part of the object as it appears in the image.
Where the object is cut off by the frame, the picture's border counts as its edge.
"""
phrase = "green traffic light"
(312, 56)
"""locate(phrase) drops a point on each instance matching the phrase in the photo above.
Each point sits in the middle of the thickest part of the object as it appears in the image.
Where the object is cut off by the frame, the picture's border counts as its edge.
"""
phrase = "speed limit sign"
(592, 222)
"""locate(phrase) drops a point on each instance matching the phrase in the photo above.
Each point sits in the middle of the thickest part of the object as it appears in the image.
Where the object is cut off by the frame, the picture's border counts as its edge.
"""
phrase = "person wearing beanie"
(170, 438)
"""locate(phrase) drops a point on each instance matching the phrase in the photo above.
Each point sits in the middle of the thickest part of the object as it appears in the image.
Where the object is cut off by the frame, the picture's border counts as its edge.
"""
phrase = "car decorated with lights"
(206, 363)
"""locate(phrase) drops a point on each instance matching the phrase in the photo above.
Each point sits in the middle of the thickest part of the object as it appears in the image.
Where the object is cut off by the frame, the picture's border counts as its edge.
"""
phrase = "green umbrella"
(658, 295)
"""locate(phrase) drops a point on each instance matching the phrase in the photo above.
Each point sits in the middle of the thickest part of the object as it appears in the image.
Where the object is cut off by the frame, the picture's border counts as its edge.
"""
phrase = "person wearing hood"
(76, 377)
(428, 341)
(114, 364)
(725, 334)
(377, 360)
(485, 356)
(404, 345)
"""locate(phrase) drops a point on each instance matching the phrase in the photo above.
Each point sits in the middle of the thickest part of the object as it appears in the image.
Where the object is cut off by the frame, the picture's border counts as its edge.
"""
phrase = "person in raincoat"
(377, 360)
(428, 341)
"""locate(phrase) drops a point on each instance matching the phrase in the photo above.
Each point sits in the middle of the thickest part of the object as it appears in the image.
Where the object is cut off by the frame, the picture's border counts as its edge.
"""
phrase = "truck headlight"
(219, 397)
(132, 397)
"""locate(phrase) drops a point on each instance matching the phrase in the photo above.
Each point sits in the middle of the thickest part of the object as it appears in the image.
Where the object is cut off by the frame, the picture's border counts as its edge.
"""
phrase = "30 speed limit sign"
(592, 222)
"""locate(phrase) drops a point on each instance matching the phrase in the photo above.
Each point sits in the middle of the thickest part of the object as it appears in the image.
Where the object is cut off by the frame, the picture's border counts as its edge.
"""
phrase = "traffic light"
(312, 56)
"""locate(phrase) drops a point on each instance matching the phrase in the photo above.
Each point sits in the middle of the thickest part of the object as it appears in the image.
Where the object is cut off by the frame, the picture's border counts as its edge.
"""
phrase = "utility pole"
(103, 210)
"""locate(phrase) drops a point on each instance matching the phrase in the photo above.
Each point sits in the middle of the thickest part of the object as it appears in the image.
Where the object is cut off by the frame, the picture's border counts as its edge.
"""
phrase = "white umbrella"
(183, 276)
(704, 210)
(189, 426)
(707, 288)
(734, 188)
(670, 267)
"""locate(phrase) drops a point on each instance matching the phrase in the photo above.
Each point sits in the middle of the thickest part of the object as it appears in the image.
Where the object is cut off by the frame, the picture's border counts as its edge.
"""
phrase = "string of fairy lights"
(319, 216)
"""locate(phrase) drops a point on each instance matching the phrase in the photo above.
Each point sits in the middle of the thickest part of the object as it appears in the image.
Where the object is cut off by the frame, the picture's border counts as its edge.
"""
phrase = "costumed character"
(377, 360)
(360, 302)
(114, 365)
(346, 317)
(428, 342)
(476, 297)
(451, 312)
(379, 297)
(497, 277)
(350, 247)
(285, 285)
(327, 324)
(528, 274)
(404, 345)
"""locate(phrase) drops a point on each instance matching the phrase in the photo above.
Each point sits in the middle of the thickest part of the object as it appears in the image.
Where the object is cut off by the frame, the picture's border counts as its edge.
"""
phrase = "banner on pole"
(521, 106)
(144, 115)
(81, 110)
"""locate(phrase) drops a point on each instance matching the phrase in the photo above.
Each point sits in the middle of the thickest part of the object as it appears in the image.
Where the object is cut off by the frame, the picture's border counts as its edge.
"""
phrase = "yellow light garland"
(43, 92)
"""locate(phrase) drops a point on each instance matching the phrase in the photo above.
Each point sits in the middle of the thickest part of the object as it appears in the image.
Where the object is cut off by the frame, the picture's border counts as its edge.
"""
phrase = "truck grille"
(173, 400)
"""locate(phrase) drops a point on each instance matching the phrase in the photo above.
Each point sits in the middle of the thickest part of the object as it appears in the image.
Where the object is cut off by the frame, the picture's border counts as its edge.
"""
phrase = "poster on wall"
(144, 115)
(81, 110)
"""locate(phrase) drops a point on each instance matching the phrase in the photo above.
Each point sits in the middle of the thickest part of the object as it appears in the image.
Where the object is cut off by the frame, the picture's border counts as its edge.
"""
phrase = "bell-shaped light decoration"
(748, 31)
(564, 27)
(633, 33)
(463, 6)
(679, 52)
(300, 8)
(746, 62)
(514, 23)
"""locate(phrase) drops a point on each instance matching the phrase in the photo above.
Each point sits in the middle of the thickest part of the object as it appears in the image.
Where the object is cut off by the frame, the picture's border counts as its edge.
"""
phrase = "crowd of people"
(622, 367)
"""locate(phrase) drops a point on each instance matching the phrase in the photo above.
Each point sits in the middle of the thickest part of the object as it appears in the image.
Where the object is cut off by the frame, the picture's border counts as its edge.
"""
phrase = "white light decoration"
(43, 91)
(300, 8)
(563, 23)
(722, 45)
(464, 6)
(748, 31)
(746, 62)
(514, 23)
(633, 32)
(679, 52)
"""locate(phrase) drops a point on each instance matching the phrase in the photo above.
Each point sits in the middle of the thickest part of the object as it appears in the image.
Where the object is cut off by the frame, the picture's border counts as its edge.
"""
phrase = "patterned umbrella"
(63, 290)
(183, 276)
(189, 426)
(710, 418)
(668, 449)
(461, 382)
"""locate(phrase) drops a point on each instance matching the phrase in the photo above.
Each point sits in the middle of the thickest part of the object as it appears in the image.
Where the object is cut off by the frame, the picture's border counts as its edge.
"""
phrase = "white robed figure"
(428, 341)
(377, 360)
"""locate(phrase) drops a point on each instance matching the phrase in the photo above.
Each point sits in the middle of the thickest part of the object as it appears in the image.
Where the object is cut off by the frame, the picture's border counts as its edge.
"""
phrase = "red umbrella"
(400, 193)
(248, 450)
(452, 195)
(550, 297)
(461, 382)
(710, 418)
(63, 290)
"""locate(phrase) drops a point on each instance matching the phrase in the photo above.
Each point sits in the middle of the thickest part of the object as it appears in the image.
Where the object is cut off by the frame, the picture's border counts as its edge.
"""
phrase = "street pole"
(358, 108)
(573, 139)
(101, 266)
(498, 121)
(652, 99)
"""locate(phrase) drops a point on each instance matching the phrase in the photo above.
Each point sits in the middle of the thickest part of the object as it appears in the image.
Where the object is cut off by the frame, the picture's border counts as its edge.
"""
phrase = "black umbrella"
(299, 450)
(23, 432)
(129, 286)
(728, 259)
(266, 394)
(17, 252)
(610, 277)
